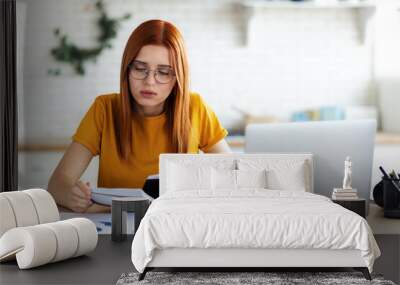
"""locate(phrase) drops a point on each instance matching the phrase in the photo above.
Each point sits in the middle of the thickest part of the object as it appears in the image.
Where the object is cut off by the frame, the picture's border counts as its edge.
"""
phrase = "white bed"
(209, 226)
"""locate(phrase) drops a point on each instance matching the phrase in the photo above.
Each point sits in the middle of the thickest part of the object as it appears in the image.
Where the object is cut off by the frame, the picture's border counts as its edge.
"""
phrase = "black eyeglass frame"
(147, 72)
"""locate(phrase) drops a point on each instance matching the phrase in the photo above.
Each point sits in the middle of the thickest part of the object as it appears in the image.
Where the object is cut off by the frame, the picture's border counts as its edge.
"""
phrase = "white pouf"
(40, 244)
(6, 215)
(31, 232)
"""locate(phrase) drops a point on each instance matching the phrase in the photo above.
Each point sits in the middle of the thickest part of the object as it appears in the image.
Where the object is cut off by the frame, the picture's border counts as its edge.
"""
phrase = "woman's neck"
(150, 111)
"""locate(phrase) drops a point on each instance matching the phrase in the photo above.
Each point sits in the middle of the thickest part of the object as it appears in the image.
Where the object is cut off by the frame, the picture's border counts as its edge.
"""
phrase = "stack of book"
(344, 194)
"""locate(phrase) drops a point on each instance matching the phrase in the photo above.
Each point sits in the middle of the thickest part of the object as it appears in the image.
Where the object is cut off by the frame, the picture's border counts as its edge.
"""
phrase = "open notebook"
(104, 195)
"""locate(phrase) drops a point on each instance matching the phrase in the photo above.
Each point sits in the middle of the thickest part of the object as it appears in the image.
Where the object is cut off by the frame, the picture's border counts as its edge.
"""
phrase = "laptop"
(330, 142)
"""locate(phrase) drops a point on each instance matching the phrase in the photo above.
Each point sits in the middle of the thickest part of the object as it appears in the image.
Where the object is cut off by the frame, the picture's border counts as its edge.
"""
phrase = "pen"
(393, 174)
(384, 172)
(396, 185)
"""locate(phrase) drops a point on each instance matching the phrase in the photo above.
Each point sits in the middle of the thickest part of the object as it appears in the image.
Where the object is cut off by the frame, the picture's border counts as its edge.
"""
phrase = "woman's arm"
(220, 147)
(64, 184)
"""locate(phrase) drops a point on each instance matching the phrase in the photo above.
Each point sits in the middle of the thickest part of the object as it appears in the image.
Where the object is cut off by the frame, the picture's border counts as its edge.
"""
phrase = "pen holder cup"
(119, 209)
(391, 198)
(152, 187)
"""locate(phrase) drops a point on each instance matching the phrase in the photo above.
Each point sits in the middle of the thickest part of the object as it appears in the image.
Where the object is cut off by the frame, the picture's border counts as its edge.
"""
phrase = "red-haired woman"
(154, 113)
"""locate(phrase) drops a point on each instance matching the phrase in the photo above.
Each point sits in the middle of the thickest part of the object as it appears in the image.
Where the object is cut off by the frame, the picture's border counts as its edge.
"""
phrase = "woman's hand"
(65, 186)
(79, 198)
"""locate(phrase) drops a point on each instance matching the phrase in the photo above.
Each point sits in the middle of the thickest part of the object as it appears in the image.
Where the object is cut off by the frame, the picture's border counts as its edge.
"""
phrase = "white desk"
(101, 220)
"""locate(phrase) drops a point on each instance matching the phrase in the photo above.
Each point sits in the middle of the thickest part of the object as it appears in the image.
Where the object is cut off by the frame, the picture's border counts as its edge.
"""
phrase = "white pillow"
(282, 174)
(289, 179)
(183, 177)
(251, 178)
(223, 179)
(236, 179)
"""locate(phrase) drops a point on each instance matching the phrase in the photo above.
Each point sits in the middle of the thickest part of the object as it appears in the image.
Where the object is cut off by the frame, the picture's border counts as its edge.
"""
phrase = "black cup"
(151, 187)
(391, 198)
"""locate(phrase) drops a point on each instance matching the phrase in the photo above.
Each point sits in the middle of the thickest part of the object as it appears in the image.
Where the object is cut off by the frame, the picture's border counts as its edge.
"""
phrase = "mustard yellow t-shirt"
(96, 132)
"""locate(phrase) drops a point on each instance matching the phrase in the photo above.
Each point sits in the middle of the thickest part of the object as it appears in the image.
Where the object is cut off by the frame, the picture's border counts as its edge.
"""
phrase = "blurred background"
(252, 61)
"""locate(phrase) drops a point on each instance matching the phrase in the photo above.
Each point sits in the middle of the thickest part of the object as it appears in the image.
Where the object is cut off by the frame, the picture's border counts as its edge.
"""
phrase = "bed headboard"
(231, 158)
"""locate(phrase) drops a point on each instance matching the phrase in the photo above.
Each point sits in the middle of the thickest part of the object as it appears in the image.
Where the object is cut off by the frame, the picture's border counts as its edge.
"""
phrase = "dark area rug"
(229, 278)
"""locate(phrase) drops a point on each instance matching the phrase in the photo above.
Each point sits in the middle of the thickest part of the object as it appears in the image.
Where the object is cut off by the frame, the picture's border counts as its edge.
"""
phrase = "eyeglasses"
(162, 75)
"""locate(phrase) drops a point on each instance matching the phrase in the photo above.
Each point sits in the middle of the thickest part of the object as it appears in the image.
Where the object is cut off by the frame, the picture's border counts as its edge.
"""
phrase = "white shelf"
(363, 10)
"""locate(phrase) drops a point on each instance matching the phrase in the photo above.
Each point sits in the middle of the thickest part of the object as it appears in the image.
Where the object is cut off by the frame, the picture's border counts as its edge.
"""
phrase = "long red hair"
(156, 32)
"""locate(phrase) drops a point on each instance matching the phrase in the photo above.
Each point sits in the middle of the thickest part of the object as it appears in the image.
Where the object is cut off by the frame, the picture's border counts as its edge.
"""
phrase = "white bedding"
(250, 218)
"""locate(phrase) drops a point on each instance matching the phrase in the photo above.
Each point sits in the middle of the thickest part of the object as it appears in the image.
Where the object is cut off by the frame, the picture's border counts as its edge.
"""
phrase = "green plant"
(70, 53)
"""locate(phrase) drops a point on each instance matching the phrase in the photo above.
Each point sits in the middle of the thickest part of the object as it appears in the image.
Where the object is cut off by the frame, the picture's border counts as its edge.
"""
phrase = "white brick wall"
(35, 169)
(295, 58)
